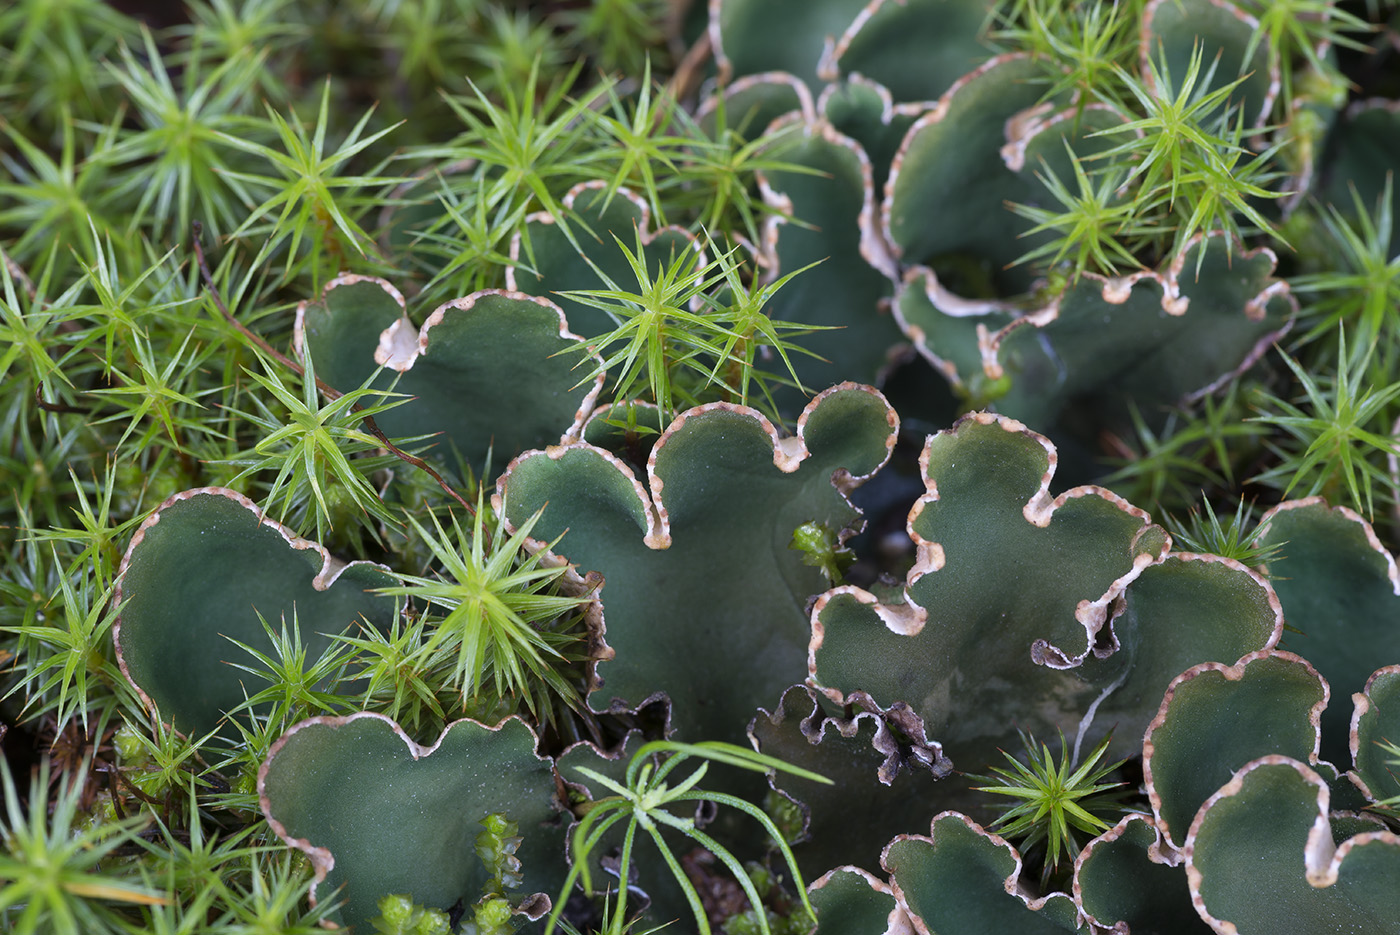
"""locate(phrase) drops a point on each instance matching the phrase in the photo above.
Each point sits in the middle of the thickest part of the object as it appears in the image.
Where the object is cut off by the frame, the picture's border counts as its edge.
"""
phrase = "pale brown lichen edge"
(898, 922)
(322, 860)
(1012, 884)
(1322, 859)
(401, 344)
(1231, 673)
(1361, 706)
(331, 567)
(1155, 853)
(788, 455)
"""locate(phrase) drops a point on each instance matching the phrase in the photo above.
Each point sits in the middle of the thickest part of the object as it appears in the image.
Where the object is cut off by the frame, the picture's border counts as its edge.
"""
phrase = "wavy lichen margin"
(908, 618)
(882, 767)
(1010, 585)
(1373, 733)
(399, 346)
(1262, 856)
(1260, 721)
(962, 878)
(850, 900)
(740, 488)
(398, 832)
(169, 650)
(1127, 879)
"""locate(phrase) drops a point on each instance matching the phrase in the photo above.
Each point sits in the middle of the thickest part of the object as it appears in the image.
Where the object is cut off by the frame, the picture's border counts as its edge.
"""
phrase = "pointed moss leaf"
(559, 267)
(1119, 878)
(197, 575)
(417, 208)
(880, 785)
(843, 291)
(849, 901)
(1186, 610)
(1263, 858)
(951, 330)
(1215, 718)
(754, 36)
(1152, 339)
(485, 370)
(702, 598)
(1338, 586)
(379, 814)
(650, 880)
(962, 879)
(1375, 731)
(916, 48)
(1172, 30)
(1011, 588)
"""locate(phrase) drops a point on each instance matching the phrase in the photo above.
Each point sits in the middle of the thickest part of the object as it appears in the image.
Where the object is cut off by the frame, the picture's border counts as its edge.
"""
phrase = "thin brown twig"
(115, 778)
(687, 73)
(330, 391)
(61, 408)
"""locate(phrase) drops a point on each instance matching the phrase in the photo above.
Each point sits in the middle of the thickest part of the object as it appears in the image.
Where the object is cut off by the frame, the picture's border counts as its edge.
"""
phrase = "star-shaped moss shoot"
(509, 628)
(1053, 802)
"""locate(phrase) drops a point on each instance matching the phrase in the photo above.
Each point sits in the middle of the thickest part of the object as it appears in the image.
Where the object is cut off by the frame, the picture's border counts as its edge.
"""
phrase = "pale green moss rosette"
(555, 266)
